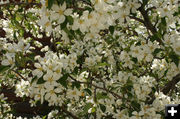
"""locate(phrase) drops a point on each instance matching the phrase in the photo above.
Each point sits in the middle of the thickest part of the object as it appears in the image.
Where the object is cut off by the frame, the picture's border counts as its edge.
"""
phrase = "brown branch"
(171, 84)
(151, 8)
(2, 33)
(69, 113)
(147, 23)
(137, 19)
(19, 75)
(97, 87)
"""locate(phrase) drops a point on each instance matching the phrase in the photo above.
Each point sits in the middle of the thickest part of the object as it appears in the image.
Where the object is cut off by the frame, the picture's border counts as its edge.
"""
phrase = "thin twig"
(105, 89)
(137, 19)
(19, 74)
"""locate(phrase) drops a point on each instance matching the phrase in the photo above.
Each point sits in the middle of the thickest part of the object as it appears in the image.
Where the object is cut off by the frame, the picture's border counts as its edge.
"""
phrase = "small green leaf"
(135, 105)
(75, 70)
(93, 109)
(102, 107)
(88, 91)
(3, 68)
(70, 20)
(86, 108)
(44, 117)
(157, 50)
(63, 80)
(145, 2)
(103, 64)
(50, 3)
(33, 79)
(111, 29)
(76, 84)
(174, 58)
(41, 81)
(135, 60)
(101, 96)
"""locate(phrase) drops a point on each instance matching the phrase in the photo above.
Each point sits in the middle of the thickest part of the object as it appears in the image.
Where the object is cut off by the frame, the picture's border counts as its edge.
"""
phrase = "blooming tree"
(89, 59)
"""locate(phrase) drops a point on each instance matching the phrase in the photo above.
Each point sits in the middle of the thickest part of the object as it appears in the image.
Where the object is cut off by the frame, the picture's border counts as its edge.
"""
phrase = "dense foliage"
(89, 59)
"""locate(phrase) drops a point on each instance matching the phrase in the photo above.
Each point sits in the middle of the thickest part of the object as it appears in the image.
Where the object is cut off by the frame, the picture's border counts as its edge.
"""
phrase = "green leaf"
(19, 17)
(70, 20)
(3, 68)
(50, 3)
(93, 109)
(155, 37)
(136, 105)
(101, 96)
(35, 78)
(86, 108)
(157, 50)
(76, 84)
(103, 64)
(75, 70)
(111, 29)
(174, 58)
(44, 117)
(145, 2)
(88, 91)
(135, 60)
(102, 107)
(41, 81)
(63, 80)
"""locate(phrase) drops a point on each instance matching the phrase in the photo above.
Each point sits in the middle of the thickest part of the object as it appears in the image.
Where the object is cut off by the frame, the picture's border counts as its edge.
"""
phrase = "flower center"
(89, 16)
(81, 21)
(47, 24)
(50, 79)
(61, 12)
(74, 92)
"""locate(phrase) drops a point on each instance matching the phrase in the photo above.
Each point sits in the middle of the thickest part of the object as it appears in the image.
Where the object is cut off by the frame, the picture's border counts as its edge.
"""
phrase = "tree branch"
(97, 87)
(137, 19)
(148, 23)
(69, 113)
(171, 84)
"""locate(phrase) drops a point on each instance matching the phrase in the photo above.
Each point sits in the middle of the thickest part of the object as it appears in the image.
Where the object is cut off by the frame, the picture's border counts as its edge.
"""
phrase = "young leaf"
(3, 68)
(63, 80)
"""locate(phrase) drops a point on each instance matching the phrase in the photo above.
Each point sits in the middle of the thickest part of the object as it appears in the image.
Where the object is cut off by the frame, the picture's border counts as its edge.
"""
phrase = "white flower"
(39, 71)
(136, 51)
(45, 22)
(50, 79)
(90, 61)
(73, 93)
(134, 5)
(52, 114)
(90, 18)
(10, 59)
(176, 47)
(60, 13)
(79, 23)
(22, 88)
(128, 63)
(21, 46)
(51, 95)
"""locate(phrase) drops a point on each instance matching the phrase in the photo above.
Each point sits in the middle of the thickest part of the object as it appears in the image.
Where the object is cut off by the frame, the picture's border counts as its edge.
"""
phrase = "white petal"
(68, 12)
(5, 62)
(61, 19)
(55, 7)
(63, 7)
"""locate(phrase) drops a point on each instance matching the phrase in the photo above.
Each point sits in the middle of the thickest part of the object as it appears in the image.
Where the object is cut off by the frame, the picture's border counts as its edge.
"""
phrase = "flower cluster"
(93, 58)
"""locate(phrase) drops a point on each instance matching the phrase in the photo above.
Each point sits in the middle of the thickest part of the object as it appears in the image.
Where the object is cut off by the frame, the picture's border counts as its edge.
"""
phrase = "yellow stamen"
(81, 21)
(61, 12)
(47, 24)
